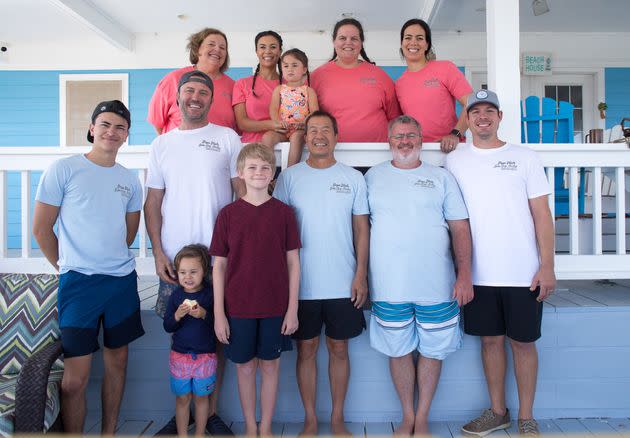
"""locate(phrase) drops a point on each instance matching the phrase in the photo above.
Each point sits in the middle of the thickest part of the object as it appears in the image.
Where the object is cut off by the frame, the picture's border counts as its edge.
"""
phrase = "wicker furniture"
(30, 364)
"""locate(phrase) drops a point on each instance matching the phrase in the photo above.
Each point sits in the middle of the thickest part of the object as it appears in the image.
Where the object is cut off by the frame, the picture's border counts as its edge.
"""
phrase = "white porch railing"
(590, 248)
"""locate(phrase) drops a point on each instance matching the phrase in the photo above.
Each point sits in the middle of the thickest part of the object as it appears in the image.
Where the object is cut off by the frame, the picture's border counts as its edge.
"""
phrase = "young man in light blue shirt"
(330, 203)
(96, 204)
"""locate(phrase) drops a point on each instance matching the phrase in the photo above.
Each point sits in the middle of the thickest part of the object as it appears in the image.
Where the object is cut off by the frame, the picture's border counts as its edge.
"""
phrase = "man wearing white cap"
(505, 189)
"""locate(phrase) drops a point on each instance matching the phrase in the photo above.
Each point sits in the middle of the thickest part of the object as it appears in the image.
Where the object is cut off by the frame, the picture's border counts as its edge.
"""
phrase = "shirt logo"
(124, 190)
(506, 165)
(368, 80)
(425, 183)
(211, 145)
(432, 83)
(340, 188)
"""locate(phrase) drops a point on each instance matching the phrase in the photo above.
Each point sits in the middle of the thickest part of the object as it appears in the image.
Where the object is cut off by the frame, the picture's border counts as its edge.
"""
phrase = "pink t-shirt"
(362, 99)
(429, 97)
(164, 112)
(256, 107)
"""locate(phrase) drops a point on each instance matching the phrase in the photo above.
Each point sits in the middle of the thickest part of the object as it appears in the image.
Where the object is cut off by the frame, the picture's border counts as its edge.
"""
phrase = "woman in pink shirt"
(252, 95)
(428, 88)
(208, 52)
(359, 94)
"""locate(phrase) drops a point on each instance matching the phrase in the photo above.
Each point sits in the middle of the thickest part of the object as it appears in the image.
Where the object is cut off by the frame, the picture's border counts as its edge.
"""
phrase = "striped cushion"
(28, 318)
(7, 402)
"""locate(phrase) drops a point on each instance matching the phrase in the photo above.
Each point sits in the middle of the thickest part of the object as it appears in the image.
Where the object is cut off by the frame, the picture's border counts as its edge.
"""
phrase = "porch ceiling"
(119, 20)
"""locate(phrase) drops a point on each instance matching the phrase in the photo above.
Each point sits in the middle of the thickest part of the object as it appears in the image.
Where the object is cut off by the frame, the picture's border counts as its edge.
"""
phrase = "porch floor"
(569, 293)
(139, 426)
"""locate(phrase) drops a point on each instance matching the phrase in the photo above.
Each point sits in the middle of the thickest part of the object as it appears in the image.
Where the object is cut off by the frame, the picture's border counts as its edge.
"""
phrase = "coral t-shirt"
(255, 239)
(256, 107)
(362, 99)
(164, 112)
(428, 95)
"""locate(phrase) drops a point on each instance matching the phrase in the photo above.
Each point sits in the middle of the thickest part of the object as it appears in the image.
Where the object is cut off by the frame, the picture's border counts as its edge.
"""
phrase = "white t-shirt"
(324, 201)
(410, 246)
(195, 168)
(497, 185)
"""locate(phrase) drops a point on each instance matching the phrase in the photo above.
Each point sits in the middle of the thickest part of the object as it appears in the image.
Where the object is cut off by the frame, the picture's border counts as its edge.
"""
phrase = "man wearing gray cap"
(96, 204)
(505, 189)
(191, 176)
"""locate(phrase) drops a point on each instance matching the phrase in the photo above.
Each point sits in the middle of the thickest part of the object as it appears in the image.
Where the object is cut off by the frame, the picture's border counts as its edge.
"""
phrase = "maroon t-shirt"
(255, 240)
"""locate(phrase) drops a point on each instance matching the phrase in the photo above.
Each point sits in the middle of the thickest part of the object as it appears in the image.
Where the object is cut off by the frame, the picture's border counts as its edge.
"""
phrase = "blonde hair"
(255, 150)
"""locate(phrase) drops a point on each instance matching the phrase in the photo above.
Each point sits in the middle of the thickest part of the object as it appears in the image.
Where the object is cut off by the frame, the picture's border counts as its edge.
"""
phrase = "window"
(573, 95)
(78, 95)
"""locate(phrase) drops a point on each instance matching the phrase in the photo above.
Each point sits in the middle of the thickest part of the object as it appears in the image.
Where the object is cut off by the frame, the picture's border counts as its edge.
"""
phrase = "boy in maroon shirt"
(256, 276)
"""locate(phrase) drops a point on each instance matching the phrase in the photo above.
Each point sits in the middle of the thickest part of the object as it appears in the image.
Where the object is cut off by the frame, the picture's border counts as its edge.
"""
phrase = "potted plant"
(602, 107)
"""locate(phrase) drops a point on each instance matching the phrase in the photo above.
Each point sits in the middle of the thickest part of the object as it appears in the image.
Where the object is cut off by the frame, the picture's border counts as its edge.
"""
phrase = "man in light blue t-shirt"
(96, 204)
(330, 203)
(416, 213)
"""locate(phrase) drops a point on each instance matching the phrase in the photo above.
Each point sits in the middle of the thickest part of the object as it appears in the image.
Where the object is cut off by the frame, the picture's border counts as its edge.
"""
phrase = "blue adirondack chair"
(551, 125)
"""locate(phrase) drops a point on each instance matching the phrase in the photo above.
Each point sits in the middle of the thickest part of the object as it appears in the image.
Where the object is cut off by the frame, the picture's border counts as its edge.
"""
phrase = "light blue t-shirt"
(324, 201)
(93, 201)
(410, 257)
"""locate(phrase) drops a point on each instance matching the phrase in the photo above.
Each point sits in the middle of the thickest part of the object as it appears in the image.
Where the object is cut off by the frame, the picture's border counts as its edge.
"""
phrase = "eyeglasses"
(409, 136)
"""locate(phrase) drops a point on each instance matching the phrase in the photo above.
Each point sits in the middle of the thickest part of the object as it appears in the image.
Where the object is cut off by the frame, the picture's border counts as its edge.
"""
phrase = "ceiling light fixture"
(540, 7)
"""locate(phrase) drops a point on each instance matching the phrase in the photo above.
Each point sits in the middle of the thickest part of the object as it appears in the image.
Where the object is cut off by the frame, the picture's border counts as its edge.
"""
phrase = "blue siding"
(617, 82)
(29, 116)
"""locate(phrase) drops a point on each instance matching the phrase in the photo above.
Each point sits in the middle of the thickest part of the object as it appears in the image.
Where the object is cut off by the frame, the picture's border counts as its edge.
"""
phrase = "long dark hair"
(300, 56)
(277, 36)
(353, 22)
(427, 34)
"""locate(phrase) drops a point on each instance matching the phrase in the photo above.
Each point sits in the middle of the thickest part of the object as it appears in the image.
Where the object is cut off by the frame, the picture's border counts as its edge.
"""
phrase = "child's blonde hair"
(255, 150)
(197, 251)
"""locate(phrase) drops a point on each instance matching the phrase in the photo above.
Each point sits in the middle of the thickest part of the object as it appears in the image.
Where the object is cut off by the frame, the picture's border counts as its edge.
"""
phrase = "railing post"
(551, 177)
(142, 231)
(26, 213)
(596, 184)
(574, 216)
(621, 210)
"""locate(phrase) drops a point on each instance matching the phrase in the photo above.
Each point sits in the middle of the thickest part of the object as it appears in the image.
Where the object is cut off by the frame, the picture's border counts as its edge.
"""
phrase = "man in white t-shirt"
(505, 189)
(416, 212)
(191, 176)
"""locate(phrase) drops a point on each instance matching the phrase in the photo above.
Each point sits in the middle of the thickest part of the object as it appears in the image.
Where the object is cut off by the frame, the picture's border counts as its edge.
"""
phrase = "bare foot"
(405, 428)
(339, 428)
(310, 427)
(265, 431)
(251, 430)
(421, 428)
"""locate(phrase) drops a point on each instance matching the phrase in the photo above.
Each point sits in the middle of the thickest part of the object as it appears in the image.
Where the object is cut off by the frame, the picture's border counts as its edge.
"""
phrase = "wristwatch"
(456, 132)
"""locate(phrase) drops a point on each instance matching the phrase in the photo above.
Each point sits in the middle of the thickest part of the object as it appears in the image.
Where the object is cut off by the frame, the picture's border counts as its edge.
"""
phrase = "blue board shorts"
(397, 329)
(85, 302)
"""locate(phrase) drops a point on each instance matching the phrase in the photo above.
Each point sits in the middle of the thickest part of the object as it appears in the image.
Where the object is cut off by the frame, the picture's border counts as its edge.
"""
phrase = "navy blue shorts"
(87, 301)
(256, 337)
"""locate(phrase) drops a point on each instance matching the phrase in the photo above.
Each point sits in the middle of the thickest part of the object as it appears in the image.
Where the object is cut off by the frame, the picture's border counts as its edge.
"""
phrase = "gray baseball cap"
(483, 96)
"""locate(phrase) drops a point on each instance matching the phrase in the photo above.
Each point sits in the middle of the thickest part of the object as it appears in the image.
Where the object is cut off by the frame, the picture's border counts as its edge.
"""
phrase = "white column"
(504, 77)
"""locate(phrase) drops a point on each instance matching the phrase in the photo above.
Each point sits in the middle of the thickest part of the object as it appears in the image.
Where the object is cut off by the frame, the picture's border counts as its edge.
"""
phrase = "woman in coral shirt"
(252, 95)
(208, 52)
(359, 94)
(428, 88)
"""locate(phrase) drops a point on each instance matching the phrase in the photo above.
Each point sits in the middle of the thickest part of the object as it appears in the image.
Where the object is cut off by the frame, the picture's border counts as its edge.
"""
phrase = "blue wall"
(29, 116)
(617, 95)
